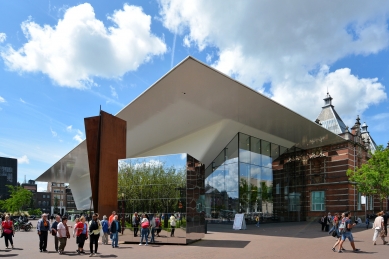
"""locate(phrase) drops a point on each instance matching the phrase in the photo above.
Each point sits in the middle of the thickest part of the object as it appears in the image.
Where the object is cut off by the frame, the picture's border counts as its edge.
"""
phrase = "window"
(317, 201)
(44, 196)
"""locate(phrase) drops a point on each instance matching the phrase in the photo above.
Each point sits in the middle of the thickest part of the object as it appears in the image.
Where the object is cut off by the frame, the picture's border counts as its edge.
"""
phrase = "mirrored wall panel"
(169, 191)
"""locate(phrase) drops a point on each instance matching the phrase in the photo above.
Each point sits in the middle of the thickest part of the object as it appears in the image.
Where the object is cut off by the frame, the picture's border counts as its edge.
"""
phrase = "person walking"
(153, 226)
(94, 233)
(386, 217)
(345, 228)
(323, 222)
(257, 218)
(158, 225)
(135, 223)
(62, 234)
(8, 231)
(145, 224)
(114, 230)
(54, 231)
(172, 225)
(81, 230)
(367, 221)
(379, 228)
(43, 228)
(105, 226)
(335, 232)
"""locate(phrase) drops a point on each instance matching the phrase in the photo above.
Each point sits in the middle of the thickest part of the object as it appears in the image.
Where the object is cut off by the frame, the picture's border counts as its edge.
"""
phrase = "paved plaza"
(284, 240)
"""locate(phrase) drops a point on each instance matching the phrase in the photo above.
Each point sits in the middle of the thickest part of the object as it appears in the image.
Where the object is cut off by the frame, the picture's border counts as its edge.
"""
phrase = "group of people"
(148, 225)
(343, 224)
(82, 231)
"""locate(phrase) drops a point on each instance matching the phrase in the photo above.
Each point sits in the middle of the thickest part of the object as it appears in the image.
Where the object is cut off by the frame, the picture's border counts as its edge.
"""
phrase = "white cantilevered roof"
(194, 109)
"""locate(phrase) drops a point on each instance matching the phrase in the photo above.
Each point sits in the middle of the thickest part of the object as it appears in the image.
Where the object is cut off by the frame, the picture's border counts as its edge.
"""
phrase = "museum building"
(260, 157)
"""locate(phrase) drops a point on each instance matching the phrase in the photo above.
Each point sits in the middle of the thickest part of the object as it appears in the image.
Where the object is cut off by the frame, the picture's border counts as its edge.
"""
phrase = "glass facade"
(251, 176)
(162, 187)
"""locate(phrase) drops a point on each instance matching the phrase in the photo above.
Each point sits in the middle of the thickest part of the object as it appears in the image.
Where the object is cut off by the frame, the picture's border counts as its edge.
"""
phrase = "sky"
(61, 60)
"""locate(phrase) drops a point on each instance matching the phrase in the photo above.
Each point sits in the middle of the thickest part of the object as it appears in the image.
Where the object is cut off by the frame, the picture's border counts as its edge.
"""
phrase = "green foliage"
(372, 178)
(151, 187)
(19, 197)
(36, 212)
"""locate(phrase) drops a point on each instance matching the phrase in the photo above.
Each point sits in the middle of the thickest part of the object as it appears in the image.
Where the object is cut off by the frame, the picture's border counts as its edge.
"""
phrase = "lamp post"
(122, 213)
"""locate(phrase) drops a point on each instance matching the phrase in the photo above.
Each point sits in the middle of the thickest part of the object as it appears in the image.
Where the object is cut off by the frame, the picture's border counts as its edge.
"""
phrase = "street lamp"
(122, 213)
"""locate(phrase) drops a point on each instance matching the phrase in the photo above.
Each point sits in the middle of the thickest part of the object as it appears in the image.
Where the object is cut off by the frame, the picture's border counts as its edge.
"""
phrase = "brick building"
(309, 183)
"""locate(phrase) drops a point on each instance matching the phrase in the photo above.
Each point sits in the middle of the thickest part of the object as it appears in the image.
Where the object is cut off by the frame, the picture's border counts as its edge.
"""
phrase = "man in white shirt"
(62, 234)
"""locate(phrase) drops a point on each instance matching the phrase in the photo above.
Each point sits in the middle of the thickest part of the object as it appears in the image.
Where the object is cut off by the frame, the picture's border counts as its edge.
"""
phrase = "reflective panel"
(169, 190)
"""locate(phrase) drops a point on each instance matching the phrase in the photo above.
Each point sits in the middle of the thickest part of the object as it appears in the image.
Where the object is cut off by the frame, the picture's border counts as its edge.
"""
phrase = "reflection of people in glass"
(172, 224)
(145, 224)
(135, 223)
(257, 219)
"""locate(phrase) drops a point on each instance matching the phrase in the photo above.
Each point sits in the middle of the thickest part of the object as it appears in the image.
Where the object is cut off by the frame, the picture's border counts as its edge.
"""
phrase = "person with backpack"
(94, 233)
(145, 224)
(105, 226)
(345, 228)
(335, 232)
(115, 229)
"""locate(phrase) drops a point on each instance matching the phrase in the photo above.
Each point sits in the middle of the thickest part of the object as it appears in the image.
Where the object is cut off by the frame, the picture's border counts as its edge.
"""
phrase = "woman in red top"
(81, 229)
(8, 231)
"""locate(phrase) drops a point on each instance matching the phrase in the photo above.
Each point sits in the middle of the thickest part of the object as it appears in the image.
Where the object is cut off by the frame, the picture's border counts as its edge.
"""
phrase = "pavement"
(282, 240)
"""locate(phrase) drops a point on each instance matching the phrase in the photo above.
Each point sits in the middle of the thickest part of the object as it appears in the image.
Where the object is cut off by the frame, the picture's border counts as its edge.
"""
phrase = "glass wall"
(165, 188)
(248, 176)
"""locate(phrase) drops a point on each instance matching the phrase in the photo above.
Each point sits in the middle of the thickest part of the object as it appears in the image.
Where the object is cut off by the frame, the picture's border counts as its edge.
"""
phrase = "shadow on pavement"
(221, 243)
(288, 229)
(9, 255)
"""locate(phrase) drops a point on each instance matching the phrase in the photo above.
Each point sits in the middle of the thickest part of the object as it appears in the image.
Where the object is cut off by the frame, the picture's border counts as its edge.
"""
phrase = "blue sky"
(61, 60)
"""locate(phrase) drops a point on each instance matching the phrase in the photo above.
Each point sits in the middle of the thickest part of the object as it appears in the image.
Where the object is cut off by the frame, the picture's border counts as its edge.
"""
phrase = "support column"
(106, 144)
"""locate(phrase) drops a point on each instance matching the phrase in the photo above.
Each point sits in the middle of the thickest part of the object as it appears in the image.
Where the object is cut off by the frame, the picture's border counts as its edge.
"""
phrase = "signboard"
(239, 222)
(363, 199)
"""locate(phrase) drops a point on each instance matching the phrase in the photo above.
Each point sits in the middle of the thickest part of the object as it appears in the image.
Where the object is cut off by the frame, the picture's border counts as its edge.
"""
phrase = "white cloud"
(2, 100)
(78, 138)
(23, 101)
(114, 94)
(81, 47)
(23, 160)
(53, 133)
(3, 37)
(288, 46)
(69, 128)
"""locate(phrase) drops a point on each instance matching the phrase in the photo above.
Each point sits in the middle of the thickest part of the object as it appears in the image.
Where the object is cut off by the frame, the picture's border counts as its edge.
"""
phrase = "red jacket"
(80, 227)
(6, 224)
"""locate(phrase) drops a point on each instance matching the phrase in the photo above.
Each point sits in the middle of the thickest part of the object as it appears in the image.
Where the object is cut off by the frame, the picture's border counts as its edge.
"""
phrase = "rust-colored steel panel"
(92, 143)
(112, 148)
(106, 144)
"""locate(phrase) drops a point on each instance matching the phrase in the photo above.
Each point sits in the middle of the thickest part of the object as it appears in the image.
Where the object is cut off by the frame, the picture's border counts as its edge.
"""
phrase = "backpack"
(342, 226)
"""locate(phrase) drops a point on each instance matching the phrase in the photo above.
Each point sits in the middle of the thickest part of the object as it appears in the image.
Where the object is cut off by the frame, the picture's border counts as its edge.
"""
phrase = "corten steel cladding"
(106, 143)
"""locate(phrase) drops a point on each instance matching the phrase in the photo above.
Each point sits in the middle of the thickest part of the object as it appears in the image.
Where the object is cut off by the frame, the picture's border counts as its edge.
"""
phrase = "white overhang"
(194, 109)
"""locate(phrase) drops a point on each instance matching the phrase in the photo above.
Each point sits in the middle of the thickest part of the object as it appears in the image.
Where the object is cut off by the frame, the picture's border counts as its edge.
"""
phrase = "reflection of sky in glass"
(178, 161)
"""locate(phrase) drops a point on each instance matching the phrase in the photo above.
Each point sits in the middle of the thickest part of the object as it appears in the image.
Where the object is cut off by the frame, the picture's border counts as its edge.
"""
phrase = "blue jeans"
(152, 235)
(332, 229)
(347, 235)
(145, 234)
(257, 223)
(115, 239)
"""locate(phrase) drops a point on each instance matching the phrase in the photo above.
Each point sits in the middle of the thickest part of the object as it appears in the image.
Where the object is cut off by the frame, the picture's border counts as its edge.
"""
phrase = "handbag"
(145, 224)
(382, 233)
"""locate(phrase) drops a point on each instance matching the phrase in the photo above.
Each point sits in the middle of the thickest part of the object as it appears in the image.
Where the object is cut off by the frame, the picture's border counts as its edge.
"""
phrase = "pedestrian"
(105, 226)
(323, 222)
(54, 231)
(257, 220)
(367, 221)
(76, 220)
(114, 230)
(345, 228)
(145, 224)
(43, 228)
(158, 225)
(111, 219)
(172, 225)
(386, 217)
(81, 229)
(62, 234)
(379, 229)
(135, 223)
(329, 221)
(8, 231)
(94, 234)
(153, 229)
(335, 232)
(334, 223)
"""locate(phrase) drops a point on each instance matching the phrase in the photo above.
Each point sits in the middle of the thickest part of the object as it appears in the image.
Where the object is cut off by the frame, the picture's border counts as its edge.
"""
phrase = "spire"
(358, 121)
(327, 100)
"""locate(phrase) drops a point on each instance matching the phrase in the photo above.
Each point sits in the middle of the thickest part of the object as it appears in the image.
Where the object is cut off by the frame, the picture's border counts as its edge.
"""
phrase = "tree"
(19, 197)
(372, 178)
